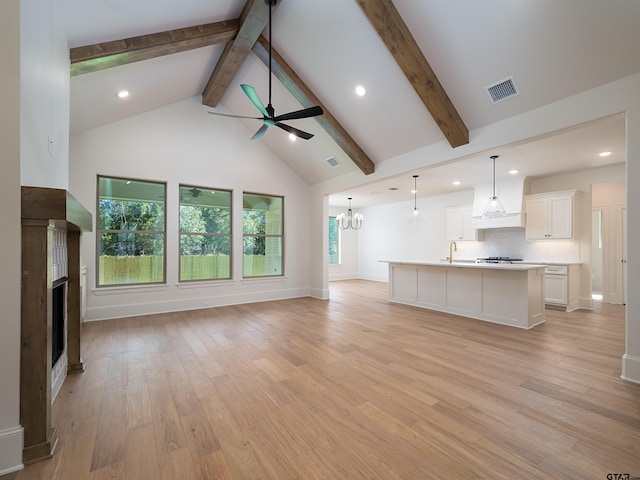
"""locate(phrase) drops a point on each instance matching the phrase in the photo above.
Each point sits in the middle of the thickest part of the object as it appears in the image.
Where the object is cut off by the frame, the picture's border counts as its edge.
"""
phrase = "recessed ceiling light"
(605, 154)
(123, 94)
(361, 91)
(292, 137)
(456, 182)
(514, 171)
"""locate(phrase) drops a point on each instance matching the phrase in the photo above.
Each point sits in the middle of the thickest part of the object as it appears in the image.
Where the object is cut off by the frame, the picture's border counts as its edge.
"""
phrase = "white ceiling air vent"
(333, 161)
(505, 88)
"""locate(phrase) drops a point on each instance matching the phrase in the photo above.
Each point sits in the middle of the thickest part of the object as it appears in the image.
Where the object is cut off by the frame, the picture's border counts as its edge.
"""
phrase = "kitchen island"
(509, 294)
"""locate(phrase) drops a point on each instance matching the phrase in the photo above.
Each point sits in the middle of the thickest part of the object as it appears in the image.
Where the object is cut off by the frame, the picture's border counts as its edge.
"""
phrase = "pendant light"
(415, 216)
(494, 207)
(350, 221)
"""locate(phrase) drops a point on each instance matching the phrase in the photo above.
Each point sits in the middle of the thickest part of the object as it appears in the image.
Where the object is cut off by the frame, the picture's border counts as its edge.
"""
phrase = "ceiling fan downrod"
(269, 107)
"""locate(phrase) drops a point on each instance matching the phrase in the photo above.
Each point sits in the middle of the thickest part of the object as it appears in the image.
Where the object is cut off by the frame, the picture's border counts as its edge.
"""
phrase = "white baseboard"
(375, 278)
(585, 303)
(11, 442)
(630, 368)
(319, 293)
(342, 276)
(194, 303)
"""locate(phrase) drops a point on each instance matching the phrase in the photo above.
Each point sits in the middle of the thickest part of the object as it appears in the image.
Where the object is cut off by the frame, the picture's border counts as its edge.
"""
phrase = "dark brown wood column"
(75, 363)
(35, 353)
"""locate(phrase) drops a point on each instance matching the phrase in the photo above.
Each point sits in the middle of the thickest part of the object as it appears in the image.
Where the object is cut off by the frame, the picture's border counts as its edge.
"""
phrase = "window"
(205, 233)
(131, 232)
(262, 235)
(334, 241)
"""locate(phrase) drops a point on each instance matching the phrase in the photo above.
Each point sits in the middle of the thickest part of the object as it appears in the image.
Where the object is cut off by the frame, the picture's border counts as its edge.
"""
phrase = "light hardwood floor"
(351, 388)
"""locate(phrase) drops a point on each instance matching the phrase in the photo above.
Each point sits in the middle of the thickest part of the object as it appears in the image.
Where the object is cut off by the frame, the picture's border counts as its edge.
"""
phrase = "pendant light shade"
(494, 207)
(415, 217)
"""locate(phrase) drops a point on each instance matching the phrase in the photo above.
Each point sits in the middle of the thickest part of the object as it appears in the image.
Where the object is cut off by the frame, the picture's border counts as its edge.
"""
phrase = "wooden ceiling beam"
(395, 34)
(91, 58)
(253, 20)
(242, 35)
(303, 94)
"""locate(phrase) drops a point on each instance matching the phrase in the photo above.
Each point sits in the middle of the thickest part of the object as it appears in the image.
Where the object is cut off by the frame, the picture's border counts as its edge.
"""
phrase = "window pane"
(205, 210)
(263, 239)
(123, 258)
(130, 205)
(131, 231)
(334, 241)
(205, 240)
(204, 257)
(262, 214)
(262, 256)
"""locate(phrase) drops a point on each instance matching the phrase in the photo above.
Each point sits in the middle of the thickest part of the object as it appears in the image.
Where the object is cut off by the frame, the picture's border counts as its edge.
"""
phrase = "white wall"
(44, 95)
(180, 143)
(10, 429)
(631, 358)
(388, 235)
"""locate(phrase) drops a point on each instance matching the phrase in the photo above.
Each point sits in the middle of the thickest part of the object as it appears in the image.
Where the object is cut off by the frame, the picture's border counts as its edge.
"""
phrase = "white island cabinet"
(509, 294)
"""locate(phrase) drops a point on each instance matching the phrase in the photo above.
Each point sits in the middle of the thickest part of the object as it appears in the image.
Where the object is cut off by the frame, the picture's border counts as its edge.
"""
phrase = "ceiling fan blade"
(294, 131)
(255, 99)
(304, 113)
(261, 131)
(233, 116)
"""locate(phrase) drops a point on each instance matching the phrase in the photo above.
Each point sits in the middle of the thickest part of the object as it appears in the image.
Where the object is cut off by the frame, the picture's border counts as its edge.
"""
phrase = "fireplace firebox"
(58, 318)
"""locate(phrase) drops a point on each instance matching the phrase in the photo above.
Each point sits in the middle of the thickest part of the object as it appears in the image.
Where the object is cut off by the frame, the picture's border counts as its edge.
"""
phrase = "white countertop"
(551, 263)
(468, 264)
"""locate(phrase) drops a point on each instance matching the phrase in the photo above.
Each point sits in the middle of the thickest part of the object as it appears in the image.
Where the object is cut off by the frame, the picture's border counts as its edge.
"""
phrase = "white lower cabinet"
(562, 286)
(505, 294)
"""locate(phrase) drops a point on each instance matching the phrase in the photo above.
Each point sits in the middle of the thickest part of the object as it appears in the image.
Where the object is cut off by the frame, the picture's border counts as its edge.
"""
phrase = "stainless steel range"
(498, 260)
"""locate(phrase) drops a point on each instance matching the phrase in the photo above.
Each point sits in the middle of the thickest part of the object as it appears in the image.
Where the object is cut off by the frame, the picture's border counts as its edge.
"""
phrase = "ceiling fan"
(268, 113)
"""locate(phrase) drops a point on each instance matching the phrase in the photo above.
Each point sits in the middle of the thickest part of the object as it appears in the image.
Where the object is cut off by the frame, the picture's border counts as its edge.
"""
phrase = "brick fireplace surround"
(47, 213)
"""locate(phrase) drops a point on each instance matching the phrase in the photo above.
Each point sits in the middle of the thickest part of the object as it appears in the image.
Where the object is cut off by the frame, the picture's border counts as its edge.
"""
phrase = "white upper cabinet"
(550, 215)
(460, 223)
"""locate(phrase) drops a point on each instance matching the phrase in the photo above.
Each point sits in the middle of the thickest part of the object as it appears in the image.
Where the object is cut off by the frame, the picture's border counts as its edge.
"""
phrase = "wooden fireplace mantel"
(43, 210)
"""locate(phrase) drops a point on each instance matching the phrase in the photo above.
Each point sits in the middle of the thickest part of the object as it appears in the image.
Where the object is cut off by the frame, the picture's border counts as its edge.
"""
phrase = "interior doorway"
(597, 254)
(608, 249)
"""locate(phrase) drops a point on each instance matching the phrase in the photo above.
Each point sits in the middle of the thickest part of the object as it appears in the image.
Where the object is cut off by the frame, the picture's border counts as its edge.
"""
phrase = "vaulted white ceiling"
(553, 50)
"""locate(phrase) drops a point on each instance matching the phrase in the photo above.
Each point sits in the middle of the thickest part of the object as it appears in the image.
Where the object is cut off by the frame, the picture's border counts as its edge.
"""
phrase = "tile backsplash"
(510, 242)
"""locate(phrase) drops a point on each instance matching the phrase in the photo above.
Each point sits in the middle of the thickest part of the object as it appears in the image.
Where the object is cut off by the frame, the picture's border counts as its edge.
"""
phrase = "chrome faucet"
(453, 247)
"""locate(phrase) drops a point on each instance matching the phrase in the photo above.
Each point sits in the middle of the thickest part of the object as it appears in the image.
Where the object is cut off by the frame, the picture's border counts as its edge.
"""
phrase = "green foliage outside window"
(205, 234)
(263, 237)
(131, 231)
(334, 241)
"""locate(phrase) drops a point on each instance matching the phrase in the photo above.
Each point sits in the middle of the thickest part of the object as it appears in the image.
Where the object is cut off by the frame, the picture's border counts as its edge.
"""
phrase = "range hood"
(511, 194)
